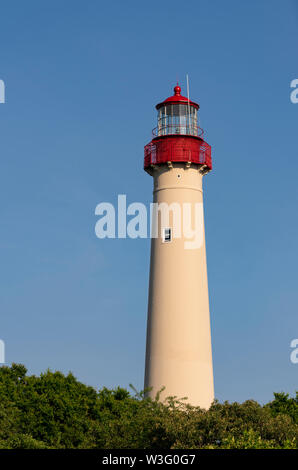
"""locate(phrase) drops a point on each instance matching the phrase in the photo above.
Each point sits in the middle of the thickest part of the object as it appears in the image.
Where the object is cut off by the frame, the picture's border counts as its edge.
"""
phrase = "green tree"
(54, 410)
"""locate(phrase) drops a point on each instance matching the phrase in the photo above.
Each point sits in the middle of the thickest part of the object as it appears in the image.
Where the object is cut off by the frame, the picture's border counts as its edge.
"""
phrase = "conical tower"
(178, 349)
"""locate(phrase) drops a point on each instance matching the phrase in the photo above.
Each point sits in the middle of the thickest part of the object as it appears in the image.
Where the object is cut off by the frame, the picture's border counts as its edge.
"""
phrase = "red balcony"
(177, 148)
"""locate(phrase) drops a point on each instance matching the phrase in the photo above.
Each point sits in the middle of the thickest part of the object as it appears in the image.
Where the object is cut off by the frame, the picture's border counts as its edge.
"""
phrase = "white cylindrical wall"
(178, 351)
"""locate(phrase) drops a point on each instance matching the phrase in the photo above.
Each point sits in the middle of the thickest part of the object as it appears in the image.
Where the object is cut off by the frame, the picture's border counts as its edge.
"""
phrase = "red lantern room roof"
(176, 99)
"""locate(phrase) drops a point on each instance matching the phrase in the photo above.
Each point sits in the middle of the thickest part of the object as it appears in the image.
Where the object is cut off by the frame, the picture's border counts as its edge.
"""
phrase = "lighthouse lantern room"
(177, 137)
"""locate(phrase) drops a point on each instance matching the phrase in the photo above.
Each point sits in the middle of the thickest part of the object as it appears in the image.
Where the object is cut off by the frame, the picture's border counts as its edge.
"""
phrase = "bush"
(58, 411)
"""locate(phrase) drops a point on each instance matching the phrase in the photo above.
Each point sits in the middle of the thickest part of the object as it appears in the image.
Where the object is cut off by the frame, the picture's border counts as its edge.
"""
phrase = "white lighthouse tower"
(178, 350)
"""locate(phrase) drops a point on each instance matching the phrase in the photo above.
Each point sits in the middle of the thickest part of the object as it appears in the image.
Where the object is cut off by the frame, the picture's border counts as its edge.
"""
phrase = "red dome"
(177, 98)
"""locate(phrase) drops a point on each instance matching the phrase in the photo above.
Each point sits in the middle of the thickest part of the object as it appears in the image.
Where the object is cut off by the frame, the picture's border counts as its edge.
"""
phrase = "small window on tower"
(167, 235)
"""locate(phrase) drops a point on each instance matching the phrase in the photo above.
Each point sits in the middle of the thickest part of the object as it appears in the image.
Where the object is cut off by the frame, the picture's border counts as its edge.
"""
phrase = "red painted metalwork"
(177, 98)
(177, 149)
(178, 143)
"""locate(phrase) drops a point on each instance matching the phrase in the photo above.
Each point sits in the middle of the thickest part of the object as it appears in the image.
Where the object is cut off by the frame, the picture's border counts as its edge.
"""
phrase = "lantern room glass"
(177, 119)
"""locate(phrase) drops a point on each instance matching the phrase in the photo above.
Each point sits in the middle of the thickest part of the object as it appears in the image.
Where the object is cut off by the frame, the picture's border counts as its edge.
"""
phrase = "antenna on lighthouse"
(187, 84)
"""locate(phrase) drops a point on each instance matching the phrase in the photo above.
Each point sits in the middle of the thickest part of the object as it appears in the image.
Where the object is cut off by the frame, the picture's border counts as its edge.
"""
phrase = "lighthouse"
(178, 346)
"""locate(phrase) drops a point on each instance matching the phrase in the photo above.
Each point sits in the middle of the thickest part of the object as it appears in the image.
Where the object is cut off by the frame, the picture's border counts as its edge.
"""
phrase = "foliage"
(283, 404)
(58, 411)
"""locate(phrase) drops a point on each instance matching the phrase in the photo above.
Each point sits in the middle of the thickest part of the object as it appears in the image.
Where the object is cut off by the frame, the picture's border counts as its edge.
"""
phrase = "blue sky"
(82, 80)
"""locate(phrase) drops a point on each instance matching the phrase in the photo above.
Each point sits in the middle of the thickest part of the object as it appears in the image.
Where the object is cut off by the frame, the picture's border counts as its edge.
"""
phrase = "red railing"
(183, 149)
